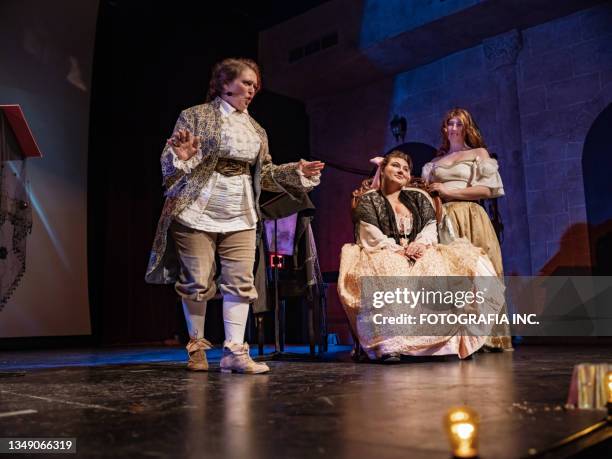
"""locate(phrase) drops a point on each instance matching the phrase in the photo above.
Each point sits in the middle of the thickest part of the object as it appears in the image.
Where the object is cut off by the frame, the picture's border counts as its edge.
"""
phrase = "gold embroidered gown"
(378, 252)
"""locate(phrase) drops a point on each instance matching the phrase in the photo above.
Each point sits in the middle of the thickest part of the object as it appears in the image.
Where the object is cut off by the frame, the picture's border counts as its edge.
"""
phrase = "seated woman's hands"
(310, 168)
(414, 250)
(184, 144)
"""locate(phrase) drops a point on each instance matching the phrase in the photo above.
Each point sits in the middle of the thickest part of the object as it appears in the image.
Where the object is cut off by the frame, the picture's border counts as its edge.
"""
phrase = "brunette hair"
(473, 137)
(227, 71)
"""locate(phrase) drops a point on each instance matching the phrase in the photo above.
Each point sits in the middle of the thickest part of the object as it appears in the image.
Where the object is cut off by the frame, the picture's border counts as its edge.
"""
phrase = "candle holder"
(462, 429)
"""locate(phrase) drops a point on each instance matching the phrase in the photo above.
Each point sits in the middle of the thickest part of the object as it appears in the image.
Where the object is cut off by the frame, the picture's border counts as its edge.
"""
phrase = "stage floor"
(141, 402)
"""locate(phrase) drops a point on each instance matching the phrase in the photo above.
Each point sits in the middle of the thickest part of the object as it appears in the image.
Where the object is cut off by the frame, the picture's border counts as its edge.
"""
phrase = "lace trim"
(189, 165)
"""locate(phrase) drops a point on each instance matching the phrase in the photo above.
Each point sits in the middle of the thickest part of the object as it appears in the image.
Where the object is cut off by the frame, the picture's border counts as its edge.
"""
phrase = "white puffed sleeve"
(429, 233)
(372, 239)
(426, 172)
(485, 172)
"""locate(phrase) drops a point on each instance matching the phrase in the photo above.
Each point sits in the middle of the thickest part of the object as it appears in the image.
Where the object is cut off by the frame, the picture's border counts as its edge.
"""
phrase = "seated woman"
(396, 234)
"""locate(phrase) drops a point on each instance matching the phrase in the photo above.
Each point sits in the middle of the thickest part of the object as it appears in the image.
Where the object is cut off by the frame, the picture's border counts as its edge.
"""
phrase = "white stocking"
(235, 314)
(194, 316)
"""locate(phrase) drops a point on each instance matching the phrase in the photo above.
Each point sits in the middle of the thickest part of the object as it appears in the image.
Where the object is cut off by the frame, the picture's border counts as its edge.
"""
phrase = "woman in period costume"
(214, 167)
(396, 235)
(462, 174)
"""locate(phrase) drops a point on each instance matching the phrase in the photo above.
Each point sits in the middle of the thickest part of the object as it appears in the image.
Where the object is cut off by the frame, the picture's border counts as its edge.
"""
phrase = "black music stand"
(278, 207)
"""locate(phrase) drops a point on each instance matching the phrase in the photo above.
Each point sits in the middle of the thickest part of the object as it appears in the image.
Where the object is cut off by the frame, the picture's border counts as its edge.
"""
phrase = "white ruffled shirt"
(226, 203)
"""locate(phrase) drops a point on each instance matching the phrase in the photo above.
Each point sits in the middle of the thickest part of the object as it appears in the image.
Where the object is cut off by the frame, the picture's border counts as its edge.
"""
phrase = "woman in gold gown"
(396, 237)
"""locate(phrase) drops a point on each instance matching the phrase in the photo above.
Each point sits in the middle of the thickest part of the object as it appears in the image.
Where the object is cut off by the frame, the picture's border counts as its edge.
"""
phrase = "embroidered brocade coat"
(183, 189)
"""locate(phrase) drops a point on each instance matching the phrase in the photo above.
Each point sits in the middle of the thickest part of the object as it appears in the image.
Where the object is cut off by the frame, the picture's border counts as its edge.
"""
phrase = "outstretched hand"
(184, 144)
(310, 168)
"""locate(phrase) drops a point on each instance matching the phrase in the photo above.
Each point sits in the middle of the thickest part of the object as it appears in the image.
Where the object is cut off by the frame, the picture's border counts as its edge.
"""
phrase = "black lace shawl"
(375, 209)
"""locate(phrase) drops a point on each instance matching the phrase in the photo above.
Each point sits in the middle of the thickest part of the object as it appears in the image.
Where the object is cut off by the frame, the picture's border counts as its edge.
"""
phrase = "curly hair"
(228, 70)
(472, 136)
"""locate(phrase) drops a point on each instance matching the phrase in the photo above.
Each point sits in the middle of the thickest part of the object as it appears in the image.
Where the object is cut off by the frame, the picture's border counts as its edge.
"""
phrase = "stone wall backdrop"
(535, 90)
(564, 83)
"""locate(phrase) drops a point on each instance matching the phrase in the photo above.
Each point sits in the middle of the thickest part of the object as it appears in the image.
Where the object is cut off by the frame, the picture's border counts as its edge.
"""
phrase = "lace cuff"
(308, 182)
(186, 166)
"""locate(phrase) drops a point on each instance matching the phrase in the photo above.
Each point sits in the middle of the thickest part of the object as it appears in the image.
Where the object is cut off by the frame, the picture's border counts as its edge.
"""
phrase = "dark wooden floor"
(142, 403)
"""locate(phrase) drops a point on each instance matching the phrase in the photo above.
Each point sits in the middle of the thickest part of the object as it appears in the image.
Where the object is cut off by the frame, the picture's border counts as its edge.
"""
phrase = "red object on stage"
(276, 260)
(19, 125)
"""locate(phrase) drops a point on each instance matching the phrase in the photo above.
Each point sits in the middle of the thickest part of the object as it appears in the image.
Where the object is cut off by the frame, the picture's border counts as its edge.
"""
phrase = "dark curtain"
(151, 61)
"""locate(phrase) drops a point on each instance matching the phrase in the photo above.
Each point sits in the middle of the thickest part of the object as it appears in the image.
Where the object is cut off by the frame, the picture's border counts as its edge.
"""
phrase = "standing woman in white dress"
(214, 167)
(463, 173)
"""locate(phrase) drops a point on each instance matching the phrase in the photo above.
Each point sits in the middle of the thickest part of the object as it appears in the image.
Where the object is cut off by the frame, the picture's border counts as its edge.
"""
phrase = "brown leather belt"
(231, 167)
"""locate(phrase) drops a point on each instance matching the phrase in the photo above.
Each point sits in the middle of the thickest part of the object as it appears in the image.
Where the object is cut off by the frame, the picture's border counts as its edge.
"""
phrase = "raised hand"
(184, 144)
(311, 168)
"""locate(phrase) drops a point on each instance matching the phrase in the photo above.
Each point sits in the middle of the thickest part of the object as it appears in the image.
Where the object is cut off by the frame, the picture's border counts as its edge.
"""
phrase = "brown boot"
(197, 356)
(236, 358)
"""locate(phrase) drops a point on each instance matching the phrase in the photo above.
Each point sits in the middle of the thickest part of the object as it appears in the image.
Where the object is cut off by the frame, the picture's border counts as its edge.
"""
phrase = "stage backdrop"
(46, 62)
